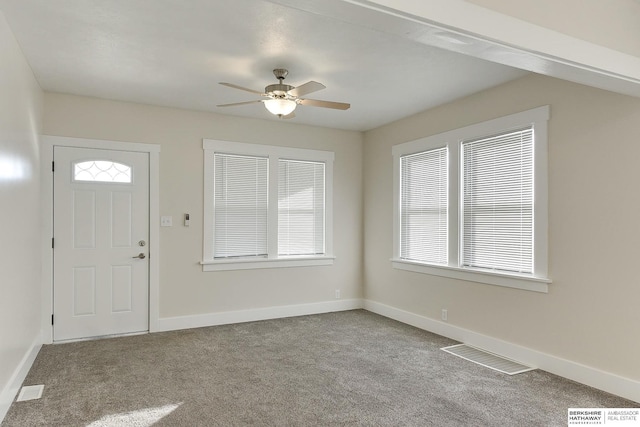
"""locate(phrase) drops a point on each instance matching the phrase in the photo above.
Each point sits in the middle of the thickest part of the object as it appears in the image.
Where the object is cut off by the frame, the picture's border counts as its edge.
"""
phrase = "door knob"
(140, 255)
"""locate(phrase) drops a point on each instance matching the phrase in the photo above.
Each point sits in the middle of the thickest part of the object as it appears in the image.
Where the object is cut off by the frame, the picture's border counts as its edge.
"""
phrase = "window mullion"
(272, 224)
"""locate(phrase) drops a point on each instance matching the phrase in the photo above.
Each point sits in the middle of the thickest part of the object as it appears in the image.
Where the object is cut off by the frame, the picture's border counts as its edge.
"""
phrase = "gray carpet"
(347, 368)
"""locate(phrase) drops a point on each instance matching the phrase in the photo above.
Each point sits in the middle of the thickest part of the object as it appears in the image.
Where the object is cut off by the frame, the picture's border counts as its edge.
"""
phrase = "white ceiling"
(173, 53)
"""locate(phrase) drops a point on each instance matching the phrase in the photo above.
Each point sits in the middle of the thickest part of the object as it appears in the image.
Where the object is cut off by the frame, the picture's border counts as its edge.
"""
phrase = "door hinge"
(53, 166)
(52, 319)
(52, 243)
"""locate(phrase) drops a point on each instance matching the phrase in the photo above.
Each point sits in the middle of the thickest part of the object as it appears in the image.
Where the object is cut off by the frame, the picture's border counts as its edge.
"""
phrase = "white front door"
(101, 240)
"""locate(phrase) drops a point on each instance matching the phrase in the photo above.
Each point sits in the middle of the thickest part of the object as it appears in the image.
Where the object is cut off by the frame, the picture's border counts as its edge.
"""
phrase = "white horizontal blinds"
(240, 206)
(423, 206)
(301, 202)
(498, 202)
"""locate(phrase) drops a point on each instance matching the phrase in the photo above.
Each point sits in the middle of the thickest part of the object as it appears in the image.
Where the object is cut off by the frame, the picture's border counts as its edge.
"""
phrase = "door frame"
(46, 181)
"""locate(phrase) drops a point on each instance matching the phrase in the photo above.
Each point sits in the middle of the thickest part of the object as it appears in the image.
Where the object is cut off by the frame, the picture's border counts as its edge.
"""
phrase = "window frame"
(273, 153)
(452, 140)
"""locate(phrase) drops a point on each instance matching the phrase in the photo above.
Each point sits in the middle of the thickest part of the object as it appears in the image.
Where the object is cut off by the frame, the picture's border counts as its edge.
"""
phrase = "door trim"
(46, 180)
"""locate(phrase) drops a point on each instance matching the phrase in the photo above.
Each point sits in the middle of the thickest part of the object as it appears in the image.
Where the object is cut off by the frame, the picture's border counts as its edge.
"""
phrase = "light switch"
(166, 221)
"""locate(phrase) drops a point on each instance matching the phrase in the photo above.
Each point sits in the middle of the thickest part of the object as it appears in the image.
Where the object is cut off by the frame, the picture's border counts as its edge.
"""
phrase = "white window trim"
(538, 281)
(274, 153)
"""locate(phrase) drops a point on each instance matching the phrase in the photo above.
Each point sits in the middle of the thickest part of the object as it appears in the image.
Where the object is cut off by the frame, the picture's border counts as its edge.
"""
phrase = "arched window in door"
(102, 171)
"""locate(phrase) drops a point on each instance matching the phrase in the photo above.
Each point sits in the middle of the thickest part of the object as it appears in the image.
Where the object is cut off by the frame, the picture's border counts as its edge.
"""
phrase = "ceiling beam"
(469, 29)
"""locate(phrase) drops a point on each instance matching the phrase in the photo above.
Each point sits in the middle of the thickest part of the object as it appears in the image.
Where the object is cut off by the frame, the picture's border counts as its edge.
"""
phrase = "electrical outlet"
(444, 314)
(337, 293)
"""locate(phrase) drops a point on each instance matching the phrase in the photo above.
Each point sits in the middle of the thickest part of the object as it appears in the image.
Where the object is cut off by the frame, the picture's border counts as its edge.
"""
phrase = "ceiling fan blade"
(239, 103)
(289, 116)
(306, 88)
(325, 104)
(241, 88)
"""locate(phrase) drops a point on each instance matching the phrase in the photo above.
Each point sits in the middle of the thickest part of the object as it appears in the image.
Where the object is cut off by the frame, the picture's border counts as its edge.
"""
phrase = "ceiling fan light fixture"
(280, 107)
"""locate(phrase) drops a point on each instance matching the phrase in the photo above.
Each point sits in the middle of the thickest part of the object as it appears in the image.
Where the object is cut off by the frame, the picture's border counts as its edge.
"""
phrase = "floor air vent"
(487, 359)
(30, 392)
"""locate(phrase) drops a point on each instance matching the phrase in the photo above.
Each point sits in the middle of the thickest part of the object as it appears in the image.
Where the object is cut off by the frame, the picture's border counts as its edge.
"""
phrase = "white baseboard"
(12, 387)
(252, 315)
(611, 383)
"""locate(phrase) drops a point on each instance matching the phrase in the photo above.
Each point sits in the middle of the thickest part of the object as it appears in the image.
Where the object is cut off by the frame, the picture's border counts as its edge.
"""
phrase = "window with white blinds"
(240, 206)
(300, 207)
(266, 206)
(497, 202)
(423, 206)
(471, 203)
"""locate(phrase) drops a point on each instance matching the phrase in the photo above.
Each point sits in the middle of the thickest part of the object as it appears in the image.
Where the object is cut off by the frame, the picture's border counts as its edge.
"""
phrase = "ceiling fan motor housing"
(280, 90)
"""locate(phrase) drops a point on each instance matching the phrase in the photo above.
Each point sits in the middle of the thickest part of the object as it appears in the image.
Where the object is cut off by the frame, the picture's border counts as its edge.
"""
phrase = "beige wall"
(612, 23)
(184, 288)
(590, 315)
(20, 260)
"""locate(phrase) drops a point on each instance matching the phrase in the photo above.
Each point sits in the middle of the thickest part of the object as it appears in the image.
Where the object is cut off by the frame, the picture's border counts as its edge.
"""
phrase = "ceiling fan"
(282, 99)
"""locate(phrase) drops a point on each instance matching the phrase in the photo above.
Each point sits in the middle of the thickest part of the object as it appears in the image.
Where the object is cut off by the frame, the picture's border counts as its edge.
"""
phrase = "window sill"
(534, 284)
(249, 264)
